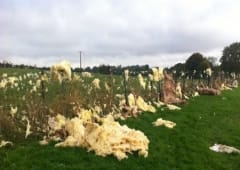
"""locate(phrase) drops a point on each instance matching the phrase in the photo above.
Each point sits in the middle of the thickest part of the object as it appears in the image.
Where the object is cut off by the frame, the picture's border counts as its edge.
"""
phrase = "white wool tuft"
(4, 75)
(224, 87)
(28, 127)
(95, 83)
(57, 123)
(173, 107)
(131, 100)
(61, 71)
(167, 123)
(179, 90)
(107, 87)
(224, 148)
(142, 105)
(209, 71)
(235, 84)
(13, 111)
(141, 81)
(3, 83)
(126, 74)
(4, 143)
(157, 74)
(86, 74)
(150, 76)
(195, 94)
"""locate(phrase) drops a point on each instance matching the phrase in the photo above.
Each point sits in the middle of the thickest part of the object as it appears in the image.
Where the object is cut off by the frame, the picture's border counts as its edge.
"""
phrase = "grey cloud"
(108, 31)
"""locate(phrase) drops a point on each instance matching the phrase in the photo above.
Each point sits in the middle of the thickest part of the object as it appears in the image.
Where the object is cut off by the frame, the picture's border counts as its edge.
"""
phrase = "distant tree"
(95, 69)
(196, 64)
(213, 60)
(118, 70)
(104, 69)
(6, 63)
(177, 69)
(230, 60)
(204, 64)
(88, 69)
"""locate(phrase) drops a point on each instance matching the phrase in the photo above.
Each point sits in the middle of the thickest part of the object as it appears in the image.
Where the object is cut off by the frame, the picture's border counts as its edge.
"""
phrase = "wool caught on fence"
(141, 81)
(61, 71)
(96, 84)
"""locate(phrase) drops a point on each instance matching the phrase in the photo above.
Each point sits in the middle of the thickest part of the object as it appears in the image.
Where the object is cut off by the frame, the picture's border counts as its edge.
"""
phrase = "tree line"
(194, 66)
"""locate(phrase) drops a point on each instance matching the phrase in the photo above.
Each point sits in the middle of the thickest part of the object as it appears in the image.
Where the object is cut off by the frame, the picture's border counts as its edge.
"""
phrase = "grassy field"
(202, 122)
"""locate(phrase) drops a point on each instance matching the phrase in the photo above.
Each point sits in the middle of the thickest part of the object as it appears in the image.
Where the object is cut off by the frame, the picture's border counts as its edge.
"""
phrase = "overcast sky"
(126, 32)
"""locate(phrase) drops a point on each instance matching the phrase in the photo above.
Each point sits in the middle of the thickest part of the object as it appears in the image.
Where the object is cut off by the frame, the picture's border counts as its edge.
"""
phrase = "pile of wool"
(61, 71)
(76, 132)
(167, 123)
(56, 123)
(140, 103)
(106, 139)
(55, 128)
(88, 115)
(112, 138)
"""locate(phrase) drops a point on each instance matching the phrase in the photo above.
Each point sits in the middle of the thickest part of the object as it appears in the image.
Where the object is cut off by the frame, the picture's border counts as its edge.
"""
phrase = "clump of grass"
(37, 111)
(64, 103)
(9, 129)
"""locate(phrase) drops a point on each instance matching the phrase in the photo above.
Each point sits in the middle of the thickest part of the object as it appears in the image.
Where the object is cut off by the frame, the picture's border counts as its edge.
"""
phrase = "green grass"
(202, 122)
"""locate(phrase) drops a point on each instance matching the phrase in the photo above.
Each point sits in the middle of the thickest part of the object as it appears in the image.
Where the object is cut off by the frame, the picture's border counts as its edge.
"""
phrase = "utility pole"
(80, 61)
